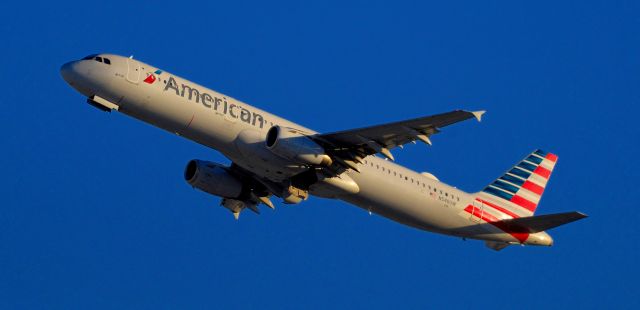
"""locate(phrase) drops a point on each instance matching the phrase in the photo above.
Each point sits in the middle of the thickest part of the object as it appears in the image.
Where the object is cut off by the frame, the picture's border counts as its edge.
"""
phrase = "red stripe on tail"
(479, 213)
(523, 203)
(520, 236)
(501, 209)
(552, 157)
(533, 187)
(543, 172)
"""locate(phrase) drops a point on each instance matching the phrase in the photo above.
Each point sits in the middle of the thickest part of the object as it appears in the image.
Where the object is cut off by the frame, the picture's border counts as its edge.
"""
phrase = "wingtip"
(478, 114)
(582, 215)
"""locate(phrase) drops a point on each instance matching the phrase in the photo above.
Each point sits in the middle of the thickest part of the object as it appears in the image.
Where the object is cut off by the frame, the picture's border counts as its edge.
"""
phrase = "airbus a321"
(273, 157)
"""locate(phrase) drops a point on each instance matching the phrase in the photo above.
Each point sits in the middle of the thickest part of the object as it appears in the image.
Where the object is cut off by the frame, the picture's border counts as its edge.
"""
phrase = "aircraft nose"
(68, 72)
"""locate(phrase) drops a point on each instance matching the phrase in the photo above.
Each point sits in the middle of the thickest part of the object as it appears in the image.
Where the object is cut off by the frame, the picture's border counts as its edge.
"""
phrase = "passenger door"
(133, 71)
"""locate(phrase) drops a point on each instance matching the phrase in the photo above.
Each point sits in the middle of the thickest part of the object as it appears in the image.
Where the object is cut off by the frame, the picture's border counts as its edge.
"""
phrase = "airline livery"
(273, 157)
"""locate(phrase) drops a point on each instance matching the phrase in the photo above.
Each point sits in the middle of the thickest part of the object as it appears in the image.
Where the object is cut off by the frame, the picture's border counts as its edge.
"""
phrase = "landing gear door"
(133, 71)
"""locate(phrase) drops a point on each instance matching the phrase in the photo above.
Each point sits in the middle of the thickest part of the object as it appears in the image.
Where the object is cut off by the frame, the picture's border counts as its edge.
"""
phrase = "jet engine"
(216, 179)
(295, 146)
(212, 178)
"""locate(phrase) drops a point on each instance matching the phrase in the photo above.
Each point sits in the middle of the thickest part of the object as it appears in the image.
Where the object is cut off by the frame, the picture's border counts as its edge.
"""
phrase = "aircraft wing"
(355, 144)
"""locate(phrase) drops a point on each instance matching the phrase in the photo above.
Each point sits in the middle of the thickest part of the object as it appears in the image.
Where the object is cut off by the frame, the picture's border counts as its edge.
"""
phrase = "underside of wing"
(353, 145)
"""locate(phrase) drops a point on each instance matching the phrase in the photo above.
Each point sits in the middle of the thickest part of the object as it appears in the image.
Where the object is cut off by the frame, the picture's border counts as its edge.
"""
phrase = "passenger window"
(107, 61)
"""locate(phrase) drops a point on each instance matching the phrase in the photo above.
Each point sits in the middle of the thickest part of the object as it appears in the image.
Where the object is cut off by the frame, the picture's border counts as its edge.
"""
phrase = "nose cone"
(78, 75)
(69, 73)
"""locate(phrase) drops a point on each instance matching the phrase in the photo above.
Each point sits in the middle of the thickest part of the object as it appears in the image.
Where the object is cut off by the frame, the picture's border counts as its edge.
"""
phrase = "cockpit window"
(97, 58)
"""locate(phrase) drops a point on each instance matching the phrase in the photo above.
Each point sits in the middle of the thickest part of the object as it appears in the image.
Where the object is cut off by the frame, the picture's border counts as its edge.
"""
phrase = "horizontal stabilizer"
(534, 224)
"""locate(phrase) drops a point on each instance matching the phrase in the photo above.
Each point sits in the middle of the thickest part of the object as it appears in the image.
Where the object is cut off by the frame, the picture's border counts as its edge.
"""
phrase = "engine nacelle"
(212, 178)
(293, 145)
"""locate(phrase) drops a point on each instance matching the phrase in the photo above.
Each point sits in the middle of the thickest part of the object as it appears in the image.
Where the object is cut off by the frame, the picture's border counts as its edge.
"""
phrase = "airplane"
(273, 157)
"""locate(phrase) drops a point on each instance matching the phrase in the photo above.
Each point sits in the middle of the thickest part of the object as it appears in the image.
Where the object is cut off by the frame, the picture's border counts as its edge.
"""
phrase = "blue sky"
(94, 212)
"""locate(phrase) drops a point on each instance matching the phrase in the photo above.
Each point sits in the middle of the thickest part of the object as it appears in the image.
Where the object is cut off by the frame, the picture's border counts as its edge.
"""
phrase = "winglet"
(478, 114)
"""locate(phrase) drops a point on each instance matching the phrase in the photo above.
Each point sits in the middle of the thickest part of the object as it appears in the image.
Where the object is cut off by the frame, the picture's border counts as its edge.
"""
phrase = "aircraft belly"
(179, 116)
(403, 203)
(209, 128)
(170, 115)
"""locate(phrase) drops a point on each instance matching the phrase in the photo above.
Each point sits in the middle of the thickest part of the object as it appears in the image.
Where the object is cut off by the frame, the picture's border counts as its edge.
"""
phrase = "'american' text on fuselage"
(215, 103)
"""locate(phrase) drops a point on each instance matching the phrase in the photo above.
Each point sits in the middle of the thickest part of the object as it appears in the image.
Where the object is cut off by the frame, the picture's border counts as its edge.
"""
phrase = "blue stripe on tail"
(497, 192)
(506, 186)
(519, 172)
(534, 159)
(541, 153)
(527, 166)
(512, 179)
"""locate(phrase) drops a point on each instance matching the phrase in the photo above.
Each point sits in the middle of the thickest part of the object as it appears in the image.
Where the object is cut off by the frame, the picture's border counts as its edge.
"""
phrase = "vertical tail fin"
(519, 190)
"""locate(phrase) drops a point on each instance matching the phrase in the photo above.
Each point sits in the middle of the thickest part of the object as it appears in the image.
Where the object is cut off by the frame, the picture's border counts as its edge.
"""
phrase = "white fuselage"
(220, 122)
